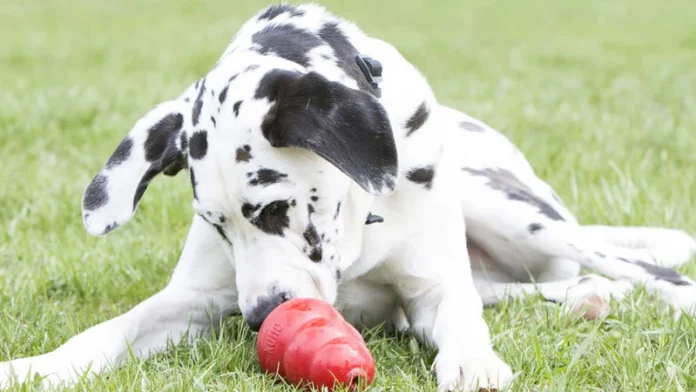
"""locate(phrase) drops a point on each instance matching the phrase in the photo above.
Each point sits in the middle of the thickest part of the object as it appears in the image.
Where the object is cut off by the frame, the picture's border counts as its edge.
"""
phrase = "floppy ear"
(151, 147)
(347, 127)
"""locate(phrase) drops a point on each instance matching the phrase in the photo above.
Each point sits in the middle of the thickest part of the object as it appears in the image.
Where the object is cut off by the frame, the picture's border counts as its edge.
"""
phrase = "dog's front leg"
(201, 291)
(444, 308)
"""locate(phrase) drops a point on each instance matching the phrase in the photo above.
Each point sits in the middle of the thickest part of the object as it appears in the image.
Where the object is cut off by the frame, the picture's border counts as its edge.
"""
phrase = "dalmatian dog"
(323, 166)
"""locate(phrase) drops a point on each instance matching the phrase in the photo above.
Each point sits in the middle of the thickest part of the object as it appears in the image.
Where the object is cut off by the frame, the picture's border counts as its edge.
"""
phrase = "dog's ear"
(349, 128)
(151, 147)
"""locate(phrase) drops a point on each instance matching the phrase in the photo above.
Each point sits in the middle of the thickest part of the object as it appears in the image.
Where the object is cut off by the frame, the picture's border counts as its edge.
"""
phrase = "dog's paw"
(14, 372)
(591, 295)
(681, 298)
(671, 248)
(457, 371)
(34, 370)
(6, 375)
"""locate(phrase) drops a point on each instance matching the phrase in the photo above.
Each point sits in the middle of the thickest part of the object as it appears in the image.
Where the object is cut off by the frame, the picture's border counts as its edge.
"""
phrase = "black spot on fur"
(345, 54)
(160, 134)
(109, 228)
(95, 194)
(315, 198)
(223, 95)
(251, 67)
(243, 154)
(312, 236)
(278, 9)
(338, 272)
(162, 152)
(533, 228)
(310, 208)
(660, 273)
(286, 41)
(293, 203)
(198, 145)
(235, 108)
(417, 119)
(267, 177)
(600, 254)
(212, 119)
(422, 175)
(663, 273)
(149, 175)
(121, 153)
(193, 183)
(313, 190)
(272, 82)
(356, 135)
(273, 218)
(198, 105)
(183, 140)
(314, 241)
(506, 182)
(338, 210)
(220, 231)
(315, 255)
(233, 77)
(249, 209)
(469, 126)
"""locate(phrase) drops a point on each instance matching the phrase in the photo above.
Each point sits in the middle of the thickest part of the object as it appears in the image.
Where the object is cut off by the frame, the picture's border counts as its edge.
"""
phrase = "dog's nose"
(264, 306)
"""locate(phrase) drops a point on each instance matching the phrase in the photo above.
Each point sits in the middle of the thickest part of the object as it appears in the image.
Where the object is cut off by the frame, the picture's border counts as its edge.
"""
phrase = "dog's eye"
(271, 208)
(274, 217)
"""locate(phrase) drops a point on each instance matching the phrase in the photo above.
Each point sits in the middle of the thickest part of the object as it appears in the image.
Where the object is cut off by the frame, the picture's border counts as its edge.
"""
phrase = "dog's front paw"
(34, 370)
(457, 371)
(6, 375)
(12, 372)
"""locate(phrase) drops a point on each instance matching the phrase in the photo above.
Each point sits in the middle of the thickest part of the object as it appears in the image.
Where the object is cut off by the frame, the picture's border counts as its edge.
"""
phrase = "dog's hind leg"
(588, 295)
(200, 293)
(515, 221)
(668, 247)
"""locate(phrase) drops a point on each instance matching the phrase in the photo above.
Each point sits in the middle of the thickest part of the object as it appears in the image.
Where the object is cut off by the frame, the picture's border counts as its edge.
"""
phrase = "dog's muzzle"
(264, 306)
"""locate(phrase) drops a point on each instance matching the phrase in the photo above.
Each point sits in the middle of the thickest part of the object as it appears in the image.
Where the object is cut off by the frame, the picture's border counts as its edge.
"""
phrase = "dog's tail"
(669, 247)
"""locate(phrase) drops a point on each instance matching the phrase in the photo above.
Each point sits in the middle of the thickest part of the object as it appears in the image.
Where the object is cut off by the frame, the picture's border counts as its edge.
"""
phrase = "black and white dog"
(323, 166)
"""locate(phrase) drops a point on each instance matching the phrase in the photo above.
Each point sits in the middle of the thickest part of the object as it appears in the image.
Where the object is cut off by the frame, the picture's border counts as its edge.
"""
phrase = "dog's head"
(274, 156)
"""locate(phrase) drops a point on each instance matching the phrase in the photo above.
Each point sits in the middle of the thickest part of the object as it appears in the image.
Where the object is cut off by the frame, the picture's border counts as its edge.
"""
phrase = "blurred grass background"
(600, 96)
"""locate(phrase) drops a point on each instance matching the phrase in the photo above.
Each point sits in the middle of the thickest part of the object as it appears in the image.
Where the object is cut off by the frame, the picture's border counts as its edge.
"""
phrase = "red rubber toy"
(308, 342)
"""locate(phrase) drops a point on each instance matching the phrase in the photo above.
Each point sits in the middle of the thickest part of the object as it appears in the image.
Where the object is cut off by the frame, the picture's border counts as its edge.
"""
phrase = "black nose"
(264, 306)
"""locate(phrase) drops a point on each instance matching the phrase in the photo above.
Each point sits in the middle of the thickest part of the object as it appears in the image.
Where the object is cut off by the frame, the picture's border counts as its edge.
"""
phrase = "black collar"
(371, 218)
(371, 68)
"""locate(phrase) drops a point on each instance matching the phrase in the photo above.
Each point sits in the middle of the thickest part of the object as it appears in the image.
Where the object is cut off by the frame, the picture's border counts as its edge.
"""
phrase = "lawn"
(600, 95)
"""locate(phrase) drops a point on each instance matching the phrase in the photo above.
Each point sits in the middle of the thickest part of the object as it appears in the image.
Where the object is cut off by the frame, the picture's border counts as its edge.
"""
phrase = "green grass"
(600, 95)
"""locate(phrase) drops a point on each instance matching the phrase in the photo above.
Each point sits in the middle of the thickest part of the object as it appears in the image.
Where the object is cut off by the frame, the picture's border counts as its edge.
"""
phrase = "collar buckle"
(371, 68)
